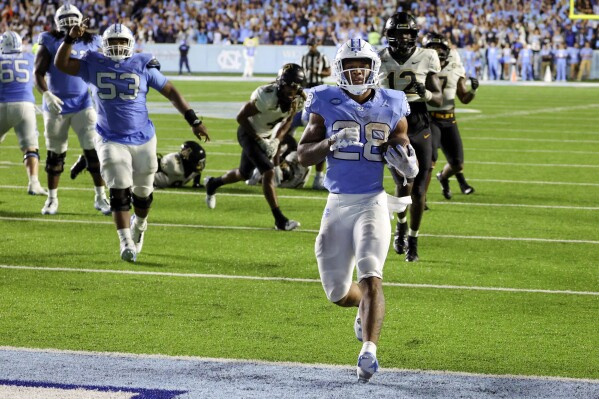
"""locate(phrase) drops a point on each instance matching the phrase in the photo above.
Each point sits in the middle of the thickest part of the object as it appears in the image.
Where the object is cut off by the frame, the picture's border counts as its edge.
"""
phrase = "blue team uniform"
(16, 84)
(70, 89)
(526, 64)
(120, 95)
(357, 170)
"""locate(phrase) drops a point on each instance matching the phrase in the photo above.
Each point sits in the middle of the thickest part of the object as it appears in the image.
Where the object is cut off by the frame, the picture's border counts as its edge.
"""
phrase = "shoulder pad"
(153, 64)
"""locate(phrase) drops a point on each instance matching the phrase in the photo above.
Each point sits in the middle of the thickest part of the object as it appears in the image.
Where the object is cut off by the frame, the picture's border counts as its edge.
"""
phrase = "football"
(393, 142)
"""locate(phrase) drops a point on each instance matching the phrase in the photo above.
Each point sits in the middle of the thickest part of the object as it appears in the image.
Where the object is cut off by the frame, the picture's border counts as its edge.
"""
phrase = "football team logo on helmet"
(66, 17)
(401, 30)
(10, 43)
(357, 49)
(118, 42)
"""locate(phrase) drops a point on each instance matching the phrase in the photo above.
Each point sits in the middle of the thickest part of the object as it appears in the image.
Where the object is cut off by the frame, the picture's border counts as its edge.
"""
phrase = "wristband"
(68, 39)
(192, 118)
(427, 95)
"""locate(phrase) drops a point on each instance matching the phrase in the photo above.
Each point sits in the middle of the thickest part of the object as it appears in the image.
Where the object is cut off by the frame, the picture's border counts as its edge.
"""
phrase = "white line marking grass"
(294, 280)
(287, 364)
(200, 226)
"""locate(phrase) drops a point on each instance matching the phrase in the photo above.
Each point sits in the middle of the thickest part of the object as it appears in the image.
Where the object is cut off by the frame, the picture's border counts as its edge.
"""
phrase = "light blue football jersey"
(120, 90)
(70, 89)
(16, 78)
(357, 170)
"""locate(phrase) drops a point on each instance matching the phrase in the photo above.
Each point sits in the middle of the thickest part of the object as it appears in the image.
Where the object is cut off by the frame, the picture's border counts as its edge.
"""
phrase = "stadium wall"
(229, 59)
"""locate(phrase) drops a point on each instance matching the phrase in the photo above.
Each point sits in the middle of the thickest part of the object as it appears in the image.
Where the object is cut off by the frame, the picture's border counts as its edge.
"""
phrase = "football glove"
(278, 175)
(420, 89)
(269, 146)
(54, 103)
(403, 160)
(345, 137)
(474, 83)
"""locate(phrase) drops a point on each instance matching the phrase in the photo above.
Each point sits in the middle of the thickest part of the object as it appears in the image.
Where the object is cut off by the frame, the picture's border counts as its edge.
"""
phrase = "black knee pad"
(142, 203)
(31, 154)
(120, 199)
(55, 163)
(93, 162)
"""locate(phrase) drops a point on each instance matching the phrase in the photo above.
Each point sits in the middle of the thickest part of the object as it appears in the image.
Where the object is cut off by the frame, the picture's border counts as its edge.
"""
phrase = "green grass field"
(530, 232)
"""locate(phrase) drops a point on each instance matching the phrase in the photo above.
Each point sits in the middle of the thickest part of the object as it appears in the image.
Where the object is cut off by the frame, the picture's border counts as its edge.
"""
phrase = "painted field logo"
(15, 389)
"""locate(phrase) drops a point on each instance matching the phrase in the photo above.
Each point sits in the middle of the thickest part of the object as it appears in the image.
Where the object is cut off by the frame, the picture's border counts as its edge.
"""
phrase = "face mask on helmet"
(10, 43)
(193, 157)
(401, 31)
(357, 66)
(66, 17)
(118, 42)
(438, 43)
(290, 82)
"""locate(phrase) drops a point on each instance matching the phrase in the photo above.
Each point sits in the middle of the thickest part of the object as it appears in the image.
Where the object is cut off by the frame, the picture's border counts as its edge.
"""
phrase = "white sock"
(33, 179)
(100, 191)
(124, 234)
(53, 193)
(368, 346)
(139, 220)
(413, 233)
(403, 220)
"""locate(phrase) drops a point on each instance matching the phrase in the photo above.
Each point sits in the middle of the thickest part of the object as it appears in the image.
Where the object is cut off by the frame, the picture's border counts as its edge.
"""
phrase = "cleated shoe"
(367, 366)
(412, 251)
(50, 207)
(210, 192)
(137, 233)
(358, 326)
(78, 167)
(101, 204)
(318, 183)
(466, 189)
(287, 226)
(128, 253)
(444, 186)
(36, 189)
(255, 178)
(399, 240)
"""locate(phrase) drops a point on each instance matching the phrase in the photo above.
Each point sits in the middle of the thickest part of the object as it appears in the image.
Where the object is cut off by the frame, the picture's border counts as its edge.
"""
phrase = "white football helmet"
(10, 43)
(357, 49)
(66, 17)
(120, 50)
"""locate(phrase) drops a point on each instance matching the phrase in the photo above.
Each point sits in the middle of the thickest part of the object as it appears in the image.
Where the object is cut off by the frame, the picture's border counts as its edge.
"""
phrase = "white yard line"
(294, 280)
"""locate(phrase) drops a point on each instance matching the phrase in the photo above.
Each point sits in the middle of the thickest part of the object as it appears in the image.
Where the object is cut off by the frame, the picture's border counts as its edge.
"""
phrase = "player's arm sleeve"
(259, 99)
(156, 79)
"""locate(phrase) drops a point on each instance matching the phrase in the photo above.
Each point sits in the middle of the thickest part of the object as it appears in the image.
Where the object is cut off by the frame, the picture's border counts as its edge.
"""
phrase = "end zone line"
(296, 280)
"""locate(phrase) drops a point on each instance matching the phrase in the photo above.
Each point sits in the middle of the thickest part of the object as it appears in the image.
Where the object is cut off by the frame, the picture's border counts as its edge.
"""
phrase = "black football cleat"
(78, 167)
(412, 249)
(466, 189)
(444, 186)
(399, 239)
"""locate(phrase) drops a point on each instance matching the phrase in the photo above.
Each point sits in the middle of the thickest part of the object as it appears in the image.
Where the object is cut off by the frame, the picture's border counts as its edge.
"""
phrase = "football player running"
(414, 71)
(348, 126)
(17, 104)
(126, 140)
(66, 102)
(444, 126)
(264, 121)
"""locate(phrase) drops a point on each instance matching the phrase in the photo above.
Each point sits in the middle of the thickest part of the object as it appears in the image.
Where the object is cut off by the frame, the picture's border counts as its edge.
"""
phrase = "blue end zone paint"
(140, 393)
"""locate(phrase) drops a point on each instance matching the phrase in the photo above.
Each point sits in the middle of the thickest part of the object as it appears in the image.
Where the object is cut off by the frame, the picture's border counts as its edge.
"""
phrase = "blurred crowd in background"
(510, 26)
